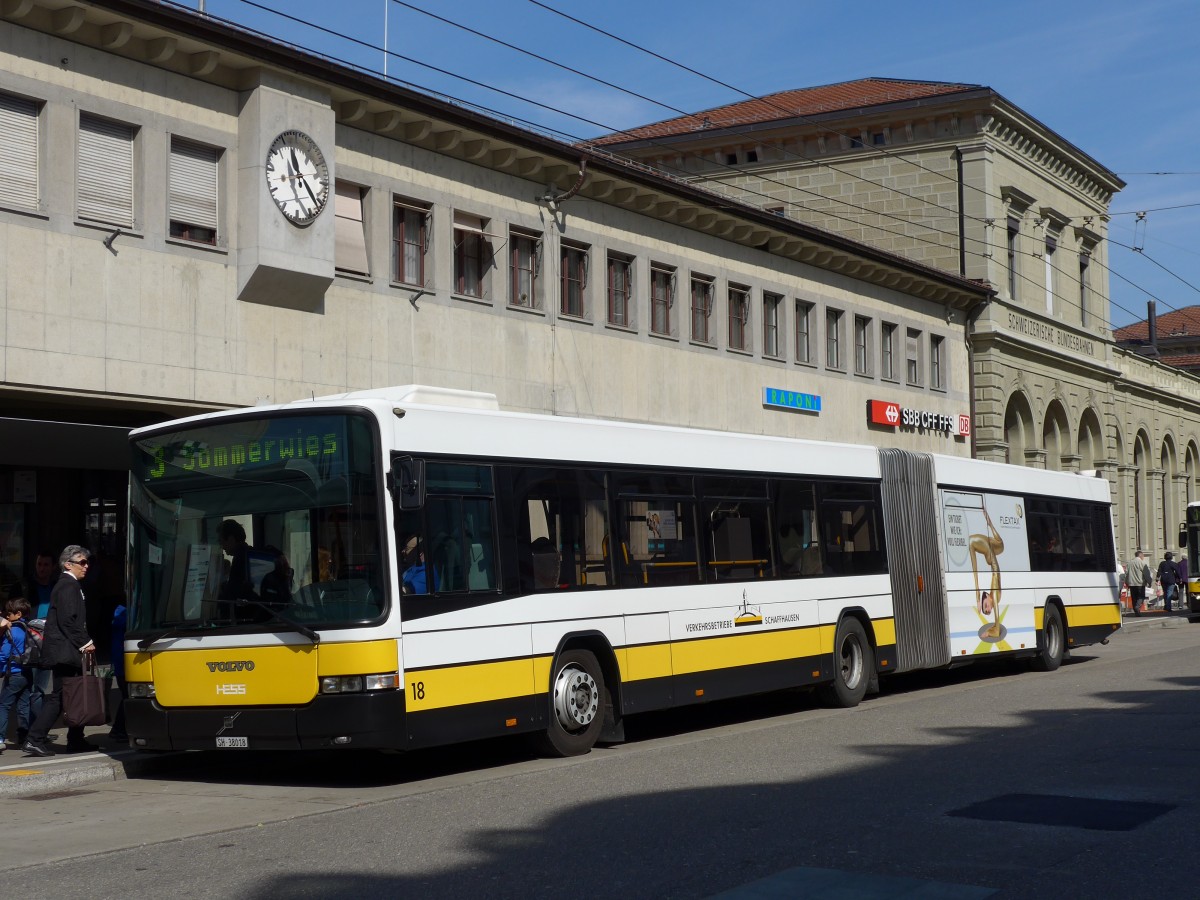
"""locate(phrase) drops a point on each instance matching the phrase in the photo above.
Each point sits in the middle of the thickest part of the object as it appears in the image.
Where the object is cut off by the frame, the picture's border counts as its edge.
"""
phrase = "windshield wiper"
(274, 614)
(146, 643)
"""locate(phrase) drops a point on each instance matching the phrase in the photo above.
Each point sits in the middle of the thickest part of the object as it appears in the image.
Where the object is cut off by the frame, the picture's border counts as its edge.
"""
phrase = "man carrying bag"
(66, 644)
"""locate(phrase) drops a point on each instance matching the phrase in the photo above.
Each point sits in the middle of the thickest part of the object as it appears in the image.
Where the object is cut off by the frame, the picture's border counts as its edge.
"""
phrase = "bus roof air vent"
(424, 395)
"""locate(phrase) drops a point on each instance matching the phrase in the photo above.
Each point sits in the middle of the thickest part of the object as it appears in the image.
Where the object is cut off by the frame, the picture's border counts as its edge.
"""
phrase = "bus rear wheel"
(1050, 656)
(577, 703)
(853, 665)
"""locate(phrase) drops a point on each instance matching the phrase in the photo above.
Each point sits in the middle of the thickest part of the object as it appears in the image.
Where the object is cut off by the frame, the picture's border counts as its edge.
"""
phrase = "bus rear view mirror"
(1183, 534)
(409, 475)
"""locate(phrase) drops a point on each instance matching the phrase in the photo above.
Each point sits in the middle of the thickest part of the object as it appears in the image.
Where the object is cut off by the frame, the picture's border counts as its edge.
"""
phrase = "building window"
(739, 316)
(804, 332)
(662, 298)
(702, 298)
(574, 280)
(935, 361)
(410, 241)
(1051, 247)
(620, 289)
(862, 334)
(192, 174)
(524, 264)
(887, 351)
(1085, 261)
(472, 252)
(771, 305)
(104, 172)
(833, 338)
(1014, 229)
(350, 248)
(912, 356)
(19, 150)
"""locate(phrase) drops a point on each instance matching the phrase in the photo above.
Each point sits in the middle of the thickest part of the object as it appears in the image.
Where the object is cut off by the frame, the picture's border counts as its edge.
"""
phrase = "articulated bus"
(412, 566)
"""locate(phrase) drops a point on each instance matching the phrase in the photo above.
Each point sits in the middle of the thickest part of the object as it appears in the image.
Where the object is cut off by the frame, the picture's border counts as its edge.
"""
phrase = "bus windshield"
(256, 521)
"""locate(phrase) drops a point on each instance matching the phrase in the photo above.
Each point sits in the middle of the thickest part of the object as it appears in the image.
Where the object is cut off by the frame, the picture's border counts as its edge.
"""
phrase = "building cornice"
(214, 51)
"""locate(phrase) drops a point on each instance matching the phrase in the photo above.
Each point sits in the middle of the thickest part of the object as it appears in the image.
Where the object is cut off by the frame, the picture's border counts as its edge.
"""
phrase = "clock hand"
(308, 187)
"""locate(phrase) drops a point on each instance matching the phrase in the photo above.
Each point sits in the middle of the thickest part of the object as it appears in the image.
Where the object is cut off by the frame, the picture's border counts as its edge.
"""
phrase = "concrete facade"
(110, 323)
(955, 176)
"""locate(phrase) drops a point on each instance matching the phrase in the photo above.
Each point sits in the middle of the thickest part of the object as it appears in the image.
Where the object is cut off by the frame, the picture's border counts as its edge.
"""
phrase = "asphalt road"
(989, 781)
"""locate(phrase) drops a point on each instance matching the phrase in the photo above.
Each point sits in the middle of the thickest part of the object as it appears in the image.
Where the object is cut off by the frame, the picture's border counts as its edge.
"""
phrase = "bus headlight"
(353, 684)
(141, 690)
(385, 682)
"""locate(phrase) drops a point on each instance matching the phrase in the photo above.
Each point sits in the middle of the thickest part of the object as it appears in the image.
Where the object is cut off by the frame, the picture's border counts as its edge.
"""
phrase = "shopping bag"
(83, 696)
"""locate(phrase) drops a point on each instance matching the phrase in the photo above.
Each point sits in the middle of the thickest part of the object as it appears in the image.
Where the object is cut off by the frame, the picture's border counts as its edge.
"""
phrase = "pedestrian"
(1139, 577)
(1184, 602)
(117, 733)
(1168, 577)
(37, 589)
(63, 648)
(15, 692)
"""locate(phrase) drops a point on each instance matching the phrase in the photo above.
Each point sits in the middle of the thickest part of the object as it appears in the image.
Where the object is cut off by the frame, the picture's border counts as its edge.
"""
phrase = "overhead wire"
(468, 80)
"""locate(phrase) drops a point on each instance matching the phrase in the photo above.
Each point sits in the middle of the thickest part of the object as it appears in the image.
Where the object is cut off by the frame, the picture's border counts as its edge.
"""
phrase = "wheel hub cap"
(576, 698)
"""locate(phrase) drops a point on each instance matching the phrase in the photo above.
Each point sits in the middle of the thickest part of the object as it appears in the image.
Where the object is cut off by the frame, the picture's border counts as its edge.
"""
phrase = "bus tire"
(577, 700)
(853, 665)
(1054, 641)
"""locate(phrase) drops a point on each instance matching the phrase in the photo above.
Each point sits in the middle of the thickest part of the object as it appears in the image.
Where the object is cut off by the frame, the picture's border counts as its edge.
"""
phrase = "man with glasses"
(65, 643)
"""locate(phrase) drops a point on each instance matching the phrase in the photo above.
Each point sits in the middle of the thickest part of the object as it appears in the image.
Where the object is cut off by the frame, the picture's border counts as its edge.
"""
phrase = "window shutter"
(105, 174)
(350, 251)
(192, 196)
(19, 148)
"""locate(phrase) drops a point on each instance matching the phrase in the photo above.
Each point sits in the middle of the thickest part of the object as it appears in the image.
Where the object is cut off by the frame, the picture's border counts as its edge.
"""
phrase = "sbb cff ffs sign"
(885, 412)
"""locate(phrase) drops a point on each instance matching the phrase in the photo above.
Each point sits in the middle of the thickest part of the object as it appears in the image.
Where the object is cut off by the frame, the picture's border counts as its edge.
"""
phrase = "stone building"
(197, 217)
(957, 176)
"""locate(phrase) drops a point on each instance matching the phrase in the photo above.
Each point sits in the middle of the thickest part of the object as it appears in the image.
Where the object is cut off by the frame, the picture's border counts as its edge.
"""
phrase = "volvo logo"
(234, 665)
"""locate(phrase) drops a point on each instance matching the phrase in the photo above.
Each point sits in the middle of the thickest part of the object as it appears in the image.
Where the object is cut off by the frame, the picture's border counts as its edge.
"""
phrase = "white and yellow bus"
(412, 566)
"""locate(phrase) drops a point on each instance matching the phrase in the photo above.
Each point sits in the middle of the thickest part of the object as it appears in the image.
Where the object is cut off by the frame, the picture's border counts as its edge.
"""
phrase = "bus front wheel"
(1054, 640)
(576, 705)
(853, 665)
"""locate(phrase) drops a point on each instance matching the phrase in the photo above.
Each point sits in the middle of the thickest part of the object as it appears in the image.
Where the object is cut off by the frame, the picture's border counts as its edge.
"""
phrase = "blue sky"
(1116, 79)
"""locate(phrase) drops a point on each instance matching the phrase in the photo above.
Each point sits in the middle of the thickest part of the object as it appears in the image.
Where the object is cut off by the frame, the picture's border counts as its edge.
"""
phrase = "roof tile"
(788, 104)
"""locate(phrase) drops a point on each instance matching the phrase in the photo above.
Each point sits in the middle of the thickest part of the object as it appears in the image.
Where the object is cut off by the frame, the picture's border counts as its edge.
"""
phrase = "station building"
(196, 217)
(958, 177)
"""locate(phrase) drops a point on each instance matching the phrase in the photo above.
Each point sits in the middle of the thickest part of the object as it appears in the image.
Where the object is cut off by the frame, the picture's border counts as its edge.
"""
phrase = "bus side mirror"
(1183, 534)
(409, 475)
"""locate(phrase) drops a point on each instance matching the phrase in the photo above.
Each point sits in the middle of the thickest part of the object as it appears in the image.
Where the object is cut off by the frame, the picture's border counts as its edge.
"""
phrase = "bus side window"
(562, 528)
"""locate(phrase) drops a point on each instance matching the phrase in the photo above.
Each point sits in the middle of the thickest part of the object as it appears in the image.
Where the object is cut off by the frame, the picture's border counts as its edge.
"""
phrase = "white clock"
(297, 177)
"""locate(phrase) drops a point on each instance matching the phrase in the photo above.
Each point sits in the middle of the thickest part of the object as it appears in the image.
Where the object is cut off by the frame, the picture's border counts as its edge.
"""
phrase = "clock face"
(297, 176)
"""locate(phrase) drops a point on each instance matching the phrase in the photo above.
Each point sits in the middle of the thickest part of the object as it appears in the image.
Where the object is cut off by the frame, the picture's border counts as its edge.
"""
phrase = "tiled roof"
(1174, 325)
(788, 104)
(1184, 361)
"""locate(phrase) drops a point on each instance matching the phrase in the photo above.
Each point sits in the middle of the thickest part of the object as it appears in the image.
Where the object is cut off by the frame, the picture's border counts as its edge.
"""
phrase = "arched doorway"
(1018, 429)
(1056, 435)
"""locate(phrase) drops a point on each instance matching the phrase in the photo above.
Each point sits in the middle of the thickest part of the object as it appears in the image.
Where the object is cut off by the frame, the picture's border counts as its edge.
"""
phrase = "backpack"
(35, 637)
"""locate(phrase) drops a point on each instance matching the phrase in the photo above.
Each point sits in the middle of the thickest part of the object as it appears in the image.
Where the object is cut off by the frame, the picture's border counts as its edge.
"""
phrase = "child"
(16, 680)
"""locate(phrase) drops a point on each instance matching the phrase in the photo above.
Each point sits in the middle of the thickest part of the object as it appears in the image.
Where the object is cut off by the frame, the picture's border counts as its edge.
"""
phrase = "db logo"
(964, 425)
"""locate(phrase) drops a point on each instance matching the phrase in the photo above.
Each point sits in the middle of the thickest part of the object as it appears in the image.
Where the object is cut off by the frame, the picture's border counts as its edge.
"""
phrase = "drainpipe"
(962, 229)
(972, 317)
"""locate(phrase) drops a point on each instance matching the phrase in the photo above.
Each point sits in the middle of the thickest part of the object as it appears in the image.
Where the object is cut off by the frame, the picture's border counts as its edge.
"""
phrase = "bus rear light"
(141, 690)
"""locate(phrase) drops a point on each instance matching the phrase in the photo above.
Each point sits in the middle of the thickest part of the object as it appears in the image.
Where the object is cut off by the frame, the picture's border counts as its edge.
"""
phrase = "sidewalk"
(1153, 618)
(32, 776)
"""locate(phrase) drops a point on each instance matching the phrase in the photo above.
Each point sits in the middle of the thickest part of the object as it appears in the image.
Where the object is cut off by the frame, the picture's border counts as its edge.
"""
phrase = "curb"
(1153, 620)
(30, 776)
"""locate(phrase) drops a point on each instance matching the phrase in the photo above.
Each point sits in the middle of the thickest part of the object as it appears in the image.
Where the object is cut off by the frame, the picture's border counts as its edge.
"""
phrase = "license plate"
(233, 742)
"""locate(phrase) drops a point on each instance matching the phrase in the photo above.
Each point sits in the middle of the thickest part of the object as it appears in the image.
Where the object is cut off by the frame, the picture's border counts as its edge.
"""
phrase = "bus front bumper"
(358, 721)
